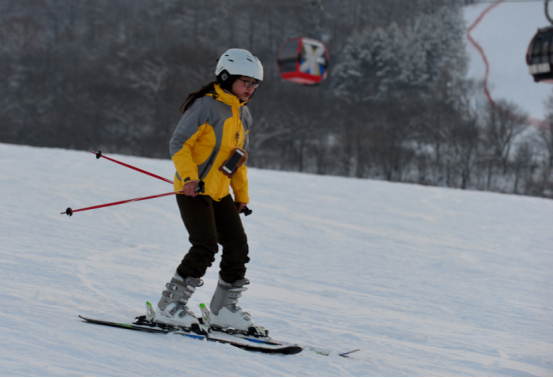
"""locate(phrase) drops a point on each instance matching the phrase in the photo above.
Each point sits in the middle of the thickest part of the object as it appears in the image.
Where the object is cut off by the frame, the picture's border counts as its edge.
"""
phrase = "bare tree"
(395, 106)
(502, 124)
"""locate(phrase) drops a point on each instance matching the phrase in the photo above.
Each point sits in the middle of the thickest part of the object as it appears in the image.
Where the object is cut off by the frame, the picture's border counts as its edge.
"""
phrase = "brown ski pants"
(210, 223)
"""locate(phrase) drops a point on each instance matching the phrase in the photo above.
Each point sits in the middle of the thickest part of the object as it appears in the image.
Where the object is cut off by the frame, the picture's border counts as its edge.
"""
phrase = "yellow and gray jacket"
(204, 139)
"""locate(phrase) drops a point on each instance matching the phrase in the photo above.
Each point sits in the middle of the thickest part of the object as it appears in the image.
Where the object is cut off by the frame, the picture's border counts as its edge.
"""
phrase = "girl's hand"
(189, 189)
(240, 206)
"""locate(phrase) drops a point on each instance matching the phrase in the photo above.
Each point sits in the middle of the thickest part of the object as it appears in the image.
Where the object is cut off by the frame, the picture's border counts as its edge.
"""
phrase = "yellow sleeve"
(239, 185)
(191, 126)
(186, 168)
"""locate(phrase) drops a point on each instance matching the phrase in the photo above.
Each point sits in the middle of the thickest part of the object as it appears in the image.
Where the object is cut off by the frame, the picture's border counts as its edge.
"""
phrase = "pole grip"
(200, 188)
(246, 211)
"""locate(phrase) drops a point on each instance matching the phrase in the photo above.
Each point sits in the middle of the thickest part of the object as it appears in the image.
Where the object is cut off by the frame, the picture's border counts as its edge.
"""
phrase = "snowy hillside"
(504, 34)
(426, 281)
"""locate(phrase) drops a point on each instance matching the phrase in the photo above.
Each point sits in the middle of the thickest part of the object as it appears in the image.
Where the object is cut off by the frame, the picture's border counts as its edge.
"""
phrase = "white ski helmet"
(238, 62)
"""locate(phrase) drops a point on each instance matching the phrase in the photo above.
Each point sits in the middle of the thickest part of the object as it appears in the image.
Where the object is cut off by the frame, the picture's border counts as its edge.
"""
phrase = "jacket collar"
(227, 98)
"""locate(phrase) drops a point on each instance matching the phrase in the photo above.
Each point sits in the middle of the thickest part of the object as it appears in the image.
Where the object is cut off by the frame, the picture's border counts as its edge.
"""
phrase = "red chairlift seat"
(539, 56)
(303, 61)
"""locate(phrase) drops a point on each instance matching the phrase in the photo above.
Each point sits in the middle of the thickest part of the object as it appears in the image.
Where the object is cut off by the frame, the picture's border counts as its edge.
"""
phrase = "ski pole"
(200, 189)
(99, 155)
(70, 211)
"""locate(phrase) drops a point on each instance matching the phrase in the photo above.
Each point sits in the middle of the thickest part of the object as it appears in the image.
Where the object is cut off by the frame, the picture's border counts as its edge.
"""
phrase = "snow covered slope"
(427, 281)
(504, 34)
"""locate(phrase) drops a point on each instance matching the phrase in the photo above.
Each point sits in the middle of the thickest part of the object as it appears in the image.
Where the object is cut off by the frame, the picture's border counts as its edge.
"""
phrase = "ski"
(255, 339)
(255, 334)
(280, 349)
(135, 327)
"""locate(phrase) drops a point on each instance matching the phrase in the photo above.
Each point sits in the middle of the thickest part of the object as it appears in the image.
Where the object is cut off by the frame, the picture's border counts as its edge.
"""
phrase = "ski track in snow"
(426, 281)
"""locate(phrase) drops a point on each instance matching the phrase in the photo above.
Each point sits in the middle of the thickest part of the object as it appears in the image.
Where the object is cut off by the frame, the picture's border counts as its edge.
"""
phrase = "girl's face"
(243, 87)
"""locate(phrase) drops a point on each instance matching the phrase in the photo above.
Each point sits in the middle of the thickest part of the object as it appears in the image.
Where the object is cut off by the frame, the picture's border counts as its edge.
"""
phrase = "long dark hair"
(196, 95)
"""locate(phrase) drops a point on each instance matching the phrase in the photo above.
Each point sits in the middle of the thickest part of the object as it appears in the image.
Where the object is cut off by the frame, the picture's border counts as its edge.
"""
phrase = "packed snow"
(505, 33)
(426, 281)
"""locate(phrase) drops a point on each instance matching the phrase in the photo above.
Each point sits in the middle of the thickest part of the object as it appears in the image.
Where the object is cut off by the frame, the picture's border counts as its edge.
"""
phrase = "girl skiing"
(214, 127)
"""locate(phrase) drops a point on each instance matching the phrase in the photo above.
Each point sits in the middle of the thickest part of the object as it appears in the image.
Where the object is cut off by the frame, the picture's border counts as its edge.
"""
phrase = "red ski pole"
(70, 211)
(199, 189)
(99, 155)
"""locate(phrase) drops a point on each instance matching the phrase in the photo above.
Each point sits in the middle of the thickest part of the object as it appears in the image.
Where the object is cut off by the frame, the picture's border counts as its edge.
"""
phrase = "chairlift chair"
(539, 56)
(303, 60)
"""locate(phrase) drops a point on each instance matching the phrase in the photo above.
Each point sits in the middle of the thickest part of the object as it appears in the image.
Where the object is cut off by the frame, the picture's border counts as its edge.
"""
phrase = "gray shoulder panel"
(205, 109)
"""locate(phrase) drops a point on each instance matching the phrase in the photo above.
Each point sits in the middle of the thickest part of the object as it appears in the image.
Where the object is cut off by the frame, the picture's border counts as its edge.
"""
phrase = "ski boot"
(226, 316)
(172, 309)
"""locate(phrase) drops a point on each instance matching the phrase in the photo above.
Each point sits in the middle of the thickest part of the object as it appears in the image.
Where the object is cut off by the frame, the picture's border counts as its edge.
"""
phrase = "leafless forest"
(110, 75)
